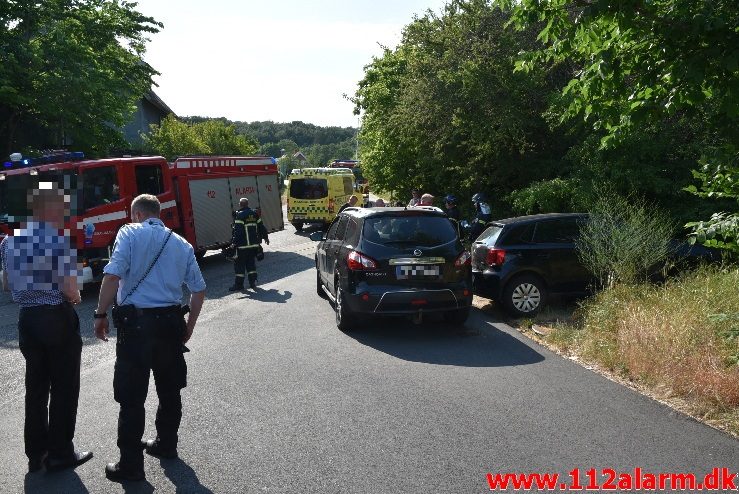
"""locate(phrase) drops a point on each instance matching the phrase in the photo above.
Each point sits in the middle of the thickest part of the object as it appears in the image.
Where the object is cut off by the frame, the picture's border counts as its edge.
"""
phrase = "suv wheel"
(298, 226)
(457, 317)
(344, 318)
(319, 285)
(524, 295)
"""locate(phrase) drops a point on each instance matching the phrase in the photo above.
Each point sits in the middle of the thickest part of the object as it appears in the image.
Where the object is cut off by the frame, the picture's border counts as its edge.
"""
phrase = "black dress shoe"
(154, 448)
(76, 459)
(115, 473)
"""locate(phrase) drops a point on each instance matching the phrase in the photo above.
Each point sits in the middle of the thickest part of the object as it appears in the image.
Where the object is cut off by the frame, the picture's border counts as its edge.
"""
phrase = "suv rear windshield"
(423, 231)
(308, 188)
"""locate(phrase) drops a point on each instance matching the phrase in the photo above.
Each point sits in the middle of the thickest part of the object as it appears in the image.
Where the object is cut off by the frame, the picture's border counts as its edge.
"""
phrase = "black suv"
(393, 261)
(519, 261)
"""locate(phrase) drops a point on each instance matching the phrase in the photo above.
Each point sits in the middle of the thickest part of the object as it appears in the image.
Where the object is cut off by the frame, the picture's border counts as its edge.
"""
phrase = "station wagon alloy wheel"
(526, 297)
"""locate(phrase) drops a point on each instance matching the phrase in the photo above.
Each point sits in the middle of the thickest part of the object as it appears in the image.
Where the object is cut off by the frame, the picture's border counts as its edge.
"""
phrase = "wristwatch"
(99, 316)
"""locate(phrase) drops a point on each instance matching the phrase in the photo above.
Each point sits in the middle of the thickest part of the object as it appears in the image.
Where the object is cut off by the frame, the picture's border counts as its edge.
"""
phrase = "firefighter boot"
(238, 285)
(253, 280)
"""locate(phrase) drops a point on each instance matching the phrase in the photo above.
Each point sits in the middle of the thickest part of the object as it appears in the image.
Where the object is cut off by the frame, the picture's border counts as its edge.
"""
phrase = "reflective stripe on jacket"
(248, 229)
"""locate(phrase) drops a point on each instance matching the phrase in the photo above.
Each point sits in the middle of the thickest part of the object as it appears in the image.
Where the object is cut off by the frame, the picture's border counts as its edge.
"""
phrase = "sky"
(279, 60)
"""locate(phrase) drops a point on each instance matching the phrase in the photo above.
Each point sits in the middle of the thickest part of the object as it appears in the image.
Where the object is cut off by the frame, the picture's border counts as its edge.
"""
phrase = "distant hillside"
(320, 145)
(302, 134)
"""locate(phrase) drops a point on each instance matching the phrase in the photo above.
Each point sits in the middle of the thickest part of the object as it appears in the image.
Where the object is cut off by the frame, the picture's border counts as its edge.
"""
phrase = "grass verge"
(678, 342)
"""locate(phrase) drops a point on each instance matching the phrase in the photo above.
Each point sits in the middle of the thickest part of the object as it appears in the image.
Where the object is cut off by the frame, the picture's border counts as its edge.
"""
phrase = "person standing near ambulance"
(147, 269)
(248, 233)
(39, 269)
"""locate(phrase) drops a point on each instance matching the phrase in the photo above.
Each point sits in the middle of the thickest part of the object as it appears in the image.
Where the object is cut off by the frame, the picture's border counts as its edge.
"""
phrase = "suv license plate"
(417, 271)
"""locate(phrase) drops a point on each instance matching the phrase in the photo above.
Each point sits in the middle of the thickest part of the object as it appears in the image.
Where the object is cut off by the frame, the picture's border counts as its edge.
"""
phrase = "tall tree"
(71, 70)
(445, 111)
(643, 62)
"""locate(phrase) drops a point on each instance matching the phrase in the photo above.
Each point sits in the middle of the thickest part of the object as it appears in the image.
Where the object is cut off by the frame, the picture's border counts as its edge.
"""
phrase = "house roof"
(155, 100)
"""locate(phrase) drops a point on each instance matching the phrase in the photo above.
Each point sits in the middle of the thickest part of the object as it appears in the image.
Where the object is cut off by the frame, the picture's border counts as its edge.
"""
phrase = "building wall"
(145, 115)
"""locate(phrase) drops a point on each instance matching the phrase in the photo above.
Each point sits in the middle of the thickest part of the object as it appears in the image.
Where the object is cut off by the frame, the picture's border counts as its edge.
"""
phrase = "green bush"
(624, 239)
(549, 196)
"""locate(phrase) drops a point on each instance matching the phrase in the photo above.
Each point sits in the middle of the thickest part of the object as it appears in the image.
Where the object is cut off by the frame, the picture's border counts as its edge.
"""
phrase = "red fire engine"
(198, 196)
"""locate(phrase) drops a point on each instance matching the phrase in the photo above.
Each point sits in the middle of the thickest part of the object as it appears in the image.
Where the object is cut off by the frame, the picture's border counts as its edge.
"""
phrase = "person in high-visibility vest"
(248, 233)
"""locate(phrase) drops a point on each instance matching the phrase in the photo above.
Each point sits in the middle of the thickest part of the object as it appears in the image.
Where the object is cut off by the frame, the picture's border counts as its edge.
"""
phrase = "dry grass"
(667, 339)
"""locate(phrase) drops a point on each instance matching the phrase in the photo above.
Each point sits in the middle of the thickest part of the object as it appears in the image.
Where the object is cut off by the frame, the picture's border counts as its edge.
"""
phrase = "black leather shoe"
(73, 461)
(115, 473)
(235, 288)
(154, 448)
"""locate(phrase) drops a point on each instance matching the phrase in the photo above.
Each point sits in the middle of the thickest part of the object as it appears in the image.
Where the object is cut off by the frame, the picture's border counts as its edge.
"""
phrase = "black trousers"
(152, 345)
(246, 266)
(49, 339)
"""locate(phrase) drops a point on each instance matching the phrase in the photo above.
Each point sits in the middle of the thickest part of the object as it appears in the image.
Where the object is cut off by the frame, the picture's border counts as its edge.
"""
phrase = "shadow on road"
(64, 481)
(276, 265)
(308, 230)
(271, 295)
(477, 344)
(140, 487)
(183, 477)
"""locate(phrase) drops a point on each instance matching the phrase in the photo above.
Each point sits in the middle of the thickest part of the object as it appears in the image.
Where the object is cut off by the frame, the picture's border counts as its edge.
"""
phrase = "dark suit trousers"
(152, 345)
(49, 339)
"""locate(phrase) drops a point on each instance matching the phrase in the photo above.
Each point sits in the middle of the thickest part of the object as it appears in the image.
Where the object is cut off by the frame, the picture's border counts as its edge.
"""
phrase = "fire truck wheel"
(298, 226)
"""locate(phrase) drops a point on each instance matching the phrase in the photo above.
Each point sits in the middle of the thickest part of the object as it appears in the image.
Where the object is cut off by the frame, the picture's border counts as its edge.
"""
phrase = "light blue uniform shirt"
(135, 248)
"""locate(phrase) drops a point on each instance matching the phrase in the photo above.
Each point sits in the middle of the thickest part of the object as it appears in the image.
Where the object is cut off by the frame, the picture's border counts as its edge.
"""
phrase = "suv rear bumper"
(389, 300)
(487, 284)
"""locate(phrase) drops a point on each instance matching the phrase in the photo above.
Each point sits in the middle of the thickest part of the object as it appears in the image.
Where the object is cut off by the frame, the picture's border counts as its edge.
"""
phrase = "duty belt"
(158, 310)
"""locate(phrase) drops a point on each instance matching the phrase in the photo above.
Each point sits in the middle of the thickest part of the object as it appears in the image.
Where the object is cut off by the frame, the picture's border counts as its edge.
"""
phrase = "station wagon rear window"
(308, 188)
(402, 231)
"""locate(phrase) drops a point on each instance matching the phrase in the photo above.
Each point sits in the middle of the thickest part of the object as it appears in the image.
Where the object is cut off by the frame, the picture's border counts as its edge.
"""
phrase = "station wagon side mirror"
(317, 236)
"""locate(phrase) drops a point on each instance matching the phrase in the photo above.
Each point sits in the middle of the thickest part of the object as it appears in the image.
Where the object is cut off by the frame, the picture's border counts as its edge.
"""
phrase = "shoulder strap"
(148, 270)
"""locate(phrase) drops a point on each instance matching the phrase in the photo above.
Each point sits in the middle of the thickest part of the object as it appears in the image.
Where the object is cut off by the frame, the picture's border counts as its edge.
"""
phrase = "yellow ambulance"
(314, 195)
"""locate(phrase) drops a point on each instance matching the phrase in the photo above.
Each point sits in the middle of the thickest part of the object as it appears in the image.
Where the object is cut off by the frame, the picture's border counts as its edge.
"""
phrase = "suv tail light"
(359, 262)
(464, 259)
(495, 257)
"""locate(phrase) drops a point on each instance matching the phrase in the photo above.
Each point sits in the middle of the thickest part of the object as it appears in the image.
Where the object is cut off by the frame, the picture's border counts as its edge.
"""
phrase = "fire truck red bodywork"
(197, 196)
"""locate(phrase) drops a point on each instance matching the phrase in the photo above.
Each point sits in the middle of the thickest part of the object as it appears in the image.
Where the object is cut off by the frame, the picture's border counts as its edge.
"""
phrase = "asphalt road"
(279, 400)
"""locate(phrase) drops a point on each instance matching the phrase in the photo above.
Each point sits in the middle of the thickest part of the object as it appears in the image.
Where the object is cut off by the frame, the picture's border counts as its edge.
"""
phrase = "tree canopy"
(176, 138)
(70, 70)
(538, 102)
(445, 111)
(646, 66)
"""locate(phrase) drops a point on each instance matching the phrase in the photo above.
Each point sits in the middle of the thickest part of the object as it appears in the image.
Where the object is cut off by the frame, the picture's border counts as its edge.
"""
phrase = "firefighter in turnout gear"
(482, 215)
(248, 233)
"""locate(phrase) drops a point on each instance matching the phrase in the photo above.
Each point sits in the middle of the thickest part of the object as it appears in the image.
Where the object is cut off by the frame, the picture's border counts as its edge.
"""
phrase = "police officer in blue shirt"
(39, 269)
(151, 331)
